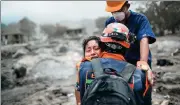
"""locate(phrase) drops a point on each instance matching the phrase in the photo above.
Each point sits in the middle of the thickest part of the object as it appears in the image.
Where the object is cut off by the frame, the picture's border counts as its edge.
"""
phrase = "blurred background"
(41, 44)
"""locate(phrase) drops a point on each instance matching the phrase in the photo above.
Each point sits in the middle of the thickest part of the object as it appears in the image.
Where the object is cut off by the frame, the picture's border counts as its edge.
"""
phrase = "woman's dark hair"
(85, 41)
(127, 4)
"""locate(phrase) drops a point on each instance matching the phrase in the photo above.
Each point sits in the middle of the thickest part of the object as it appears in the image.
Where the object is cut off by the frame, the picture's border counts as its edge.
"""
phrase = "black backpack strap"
(127, 72)
(97, 67)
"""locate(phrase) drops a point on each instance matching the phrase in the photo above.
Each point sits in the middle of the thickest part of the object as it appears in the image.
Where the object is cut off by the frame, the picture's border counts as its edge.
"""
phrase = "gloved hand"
(145, 67)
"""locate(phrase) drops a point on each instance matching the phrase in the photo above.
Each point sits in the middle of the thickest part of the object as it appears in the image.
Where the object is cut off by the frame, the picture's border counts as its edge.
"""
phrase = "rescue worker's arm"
(145, 36)
(144, 49)
(144, 52)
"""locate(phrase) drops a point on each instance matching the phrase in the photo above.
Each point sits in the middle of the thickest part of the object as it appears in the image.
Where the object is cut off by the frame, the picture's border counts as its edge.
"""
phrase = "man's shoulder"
(109, 20)
(85, 66)
(138, 16)
(85, 63)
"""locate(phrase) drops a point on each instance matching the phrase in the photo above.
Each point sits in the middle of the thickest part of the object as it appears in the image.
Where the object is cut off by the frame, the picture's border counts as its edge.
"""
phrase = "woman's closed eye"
(88, 50)
(96, 48)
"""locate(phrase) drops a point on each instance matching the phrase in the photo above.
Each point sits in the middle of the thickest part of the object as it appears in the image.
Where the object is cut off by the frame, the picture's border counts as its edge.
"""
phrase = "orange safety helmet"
(116, 33)
(113, 6)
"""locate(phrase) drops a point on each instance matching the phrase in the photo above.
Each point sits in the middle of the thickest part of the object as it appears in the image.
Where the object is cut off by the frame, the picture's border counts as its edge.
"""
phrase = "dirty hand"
(145, 67)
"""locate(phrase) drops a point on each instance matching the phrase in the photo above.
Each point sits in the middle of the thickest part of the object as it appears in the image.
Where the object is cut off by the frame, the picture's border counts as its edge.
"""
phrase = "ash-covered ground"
(44, 73)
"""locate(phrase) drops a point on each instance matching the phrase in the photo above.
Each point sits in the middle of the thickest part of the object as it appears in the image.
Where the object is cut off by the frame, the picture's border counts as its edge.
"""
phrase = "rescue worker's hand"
(142, 65)
(145, 67)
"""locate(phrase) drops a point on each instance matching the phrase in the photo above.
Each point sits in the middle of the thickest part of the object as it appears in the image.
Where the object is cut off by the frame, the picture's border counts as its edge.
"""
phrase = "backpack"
(110, 87)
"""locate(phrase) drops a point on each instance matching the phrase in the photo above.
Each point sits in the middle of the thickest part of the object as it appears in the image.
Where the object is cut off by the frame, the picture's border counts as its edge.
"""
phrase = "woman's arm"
(77, 95)
(77, 92)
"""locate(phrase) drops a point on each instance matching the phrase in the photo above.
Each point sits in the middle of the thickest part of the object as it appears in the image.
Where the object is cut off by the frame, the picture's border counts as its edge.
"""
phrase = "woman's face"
(92, 49)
